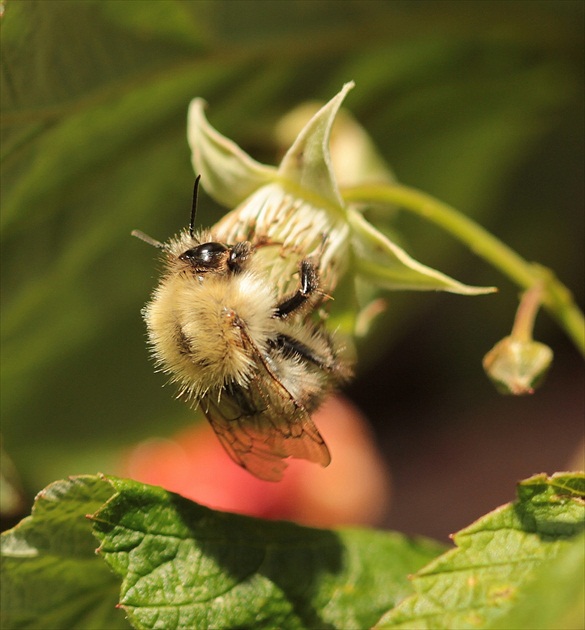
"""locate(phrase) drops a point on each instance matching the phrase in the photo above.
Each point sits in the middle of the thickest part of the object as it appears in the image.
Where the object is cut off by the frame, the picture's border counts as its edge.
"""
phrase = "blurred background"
(478, 103)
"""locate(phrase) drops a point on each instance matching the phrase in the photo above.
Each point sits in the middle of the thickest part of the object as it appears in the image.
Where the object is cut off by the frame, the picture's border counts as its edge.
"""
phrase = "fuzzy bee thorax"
(199, 327)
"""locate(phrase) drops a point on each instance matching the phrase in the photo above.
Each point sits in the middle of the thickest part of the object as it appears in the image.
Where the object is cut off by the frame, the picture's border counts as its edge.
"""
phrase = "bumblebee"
(258, 364)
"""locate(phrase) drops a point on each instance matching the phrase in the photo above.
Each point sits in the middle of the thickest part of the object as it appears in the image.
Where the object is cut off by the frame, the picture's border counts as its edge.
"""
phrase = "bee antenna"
(148, 239)
(194, 206)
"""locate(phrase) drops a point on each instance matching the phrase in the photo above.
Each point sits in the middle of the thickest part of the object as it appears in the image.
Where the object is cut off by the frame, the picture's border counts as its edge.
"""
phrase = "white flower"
(297, 210)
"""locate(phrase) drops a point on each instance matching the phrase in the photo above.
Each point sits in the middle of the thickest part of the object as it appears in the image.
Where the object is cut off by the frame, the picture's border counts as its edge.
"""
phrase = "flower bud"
(517, 366)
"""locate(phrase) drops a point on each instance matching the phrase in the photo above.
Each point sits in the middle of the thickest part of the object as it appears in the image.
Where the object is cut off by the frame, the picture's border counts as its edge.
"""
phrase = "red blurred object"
(353, 489)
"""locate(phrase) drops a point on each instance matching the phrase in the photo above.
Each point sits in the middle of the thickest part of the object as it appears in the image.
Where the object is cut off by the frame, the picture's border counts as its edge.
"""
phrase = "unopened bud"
(517, 366)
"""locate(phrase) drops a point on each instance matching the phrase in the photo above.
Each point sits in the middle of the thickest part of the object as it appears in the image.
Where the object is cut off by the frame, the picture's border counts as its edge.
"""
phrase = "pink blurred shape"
(354, 489)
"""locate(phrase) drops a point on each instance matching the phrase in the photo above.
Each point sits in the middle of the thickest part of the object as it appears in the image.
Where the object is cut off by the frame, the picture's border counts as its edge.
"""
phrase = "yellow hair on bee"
(195, 326)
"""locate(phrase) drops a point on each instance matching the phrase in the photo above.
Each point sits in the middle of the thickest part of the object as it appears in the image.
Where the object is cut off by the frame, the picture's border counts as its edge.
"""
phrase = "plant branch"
(556, 298)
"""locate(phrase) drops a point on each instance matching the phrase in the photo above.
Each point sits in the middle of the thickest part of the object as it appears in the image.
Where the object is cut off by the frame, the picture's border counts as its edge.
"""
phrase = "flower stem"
(523, 327)
(556, 298)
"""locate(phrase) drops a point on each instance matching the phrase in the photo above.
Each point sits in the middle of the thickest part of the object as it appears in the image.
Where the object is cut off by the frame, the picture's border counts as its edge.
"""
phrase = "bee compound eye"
(205, 255)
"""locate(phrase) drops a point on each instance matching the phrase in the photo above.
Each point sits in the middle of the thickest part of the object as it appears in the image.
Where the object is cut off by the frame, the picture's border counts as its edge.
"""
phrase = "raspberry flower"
(298, 207)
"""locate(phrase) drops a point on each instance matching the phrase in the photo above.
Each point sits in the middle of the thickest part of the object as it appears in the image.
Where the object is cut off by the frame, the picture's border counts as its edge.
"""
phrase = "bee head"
(215, 256)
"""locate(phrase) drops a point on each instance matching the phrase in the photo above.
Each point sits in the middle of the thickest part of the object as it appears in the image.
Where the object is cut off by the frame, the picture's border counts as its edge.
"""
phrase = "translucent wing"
(261, 425)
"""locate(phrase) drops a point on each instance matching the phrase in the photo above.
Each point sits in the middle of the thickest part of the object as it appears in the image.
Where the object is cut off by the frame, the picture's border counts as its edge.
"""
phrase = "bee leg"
(290, 347)
(309, 283)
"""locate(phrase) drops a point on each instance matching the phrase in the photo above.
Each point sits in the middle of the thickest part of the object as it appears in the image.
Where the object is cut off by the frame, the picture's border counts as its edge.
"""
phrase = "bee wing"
(261, 425)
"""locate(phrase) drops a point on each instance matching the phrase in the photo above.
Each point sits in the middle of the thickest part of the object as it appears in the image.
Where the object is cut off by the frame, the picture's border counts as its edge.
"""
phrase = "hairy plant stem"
(556, 298)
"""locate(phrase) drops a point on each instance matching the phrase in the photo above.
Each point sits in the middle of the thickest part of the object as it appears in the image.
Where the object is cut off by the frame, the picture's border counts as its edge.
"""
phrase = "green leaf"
(185, 566)
(51, 576)
(509, 558)
(556, 597)
(181, 565)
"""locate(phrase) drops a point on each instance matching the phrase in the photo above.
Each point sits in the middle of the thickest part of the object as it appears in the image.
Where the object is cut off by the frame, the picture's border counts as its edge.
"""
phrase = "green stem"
(556, 298)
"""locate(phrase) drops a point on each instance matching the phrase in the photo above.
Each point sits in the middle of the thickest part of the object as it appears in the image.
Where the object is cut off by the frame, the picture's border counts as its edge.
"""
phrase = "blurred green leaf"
(12, 502)
(504, 566)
